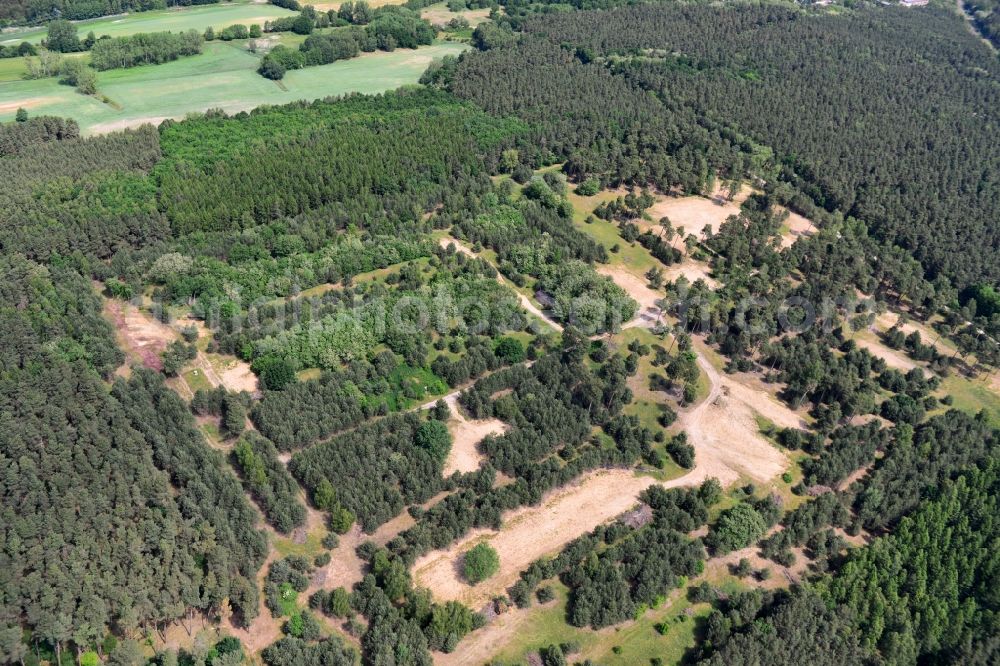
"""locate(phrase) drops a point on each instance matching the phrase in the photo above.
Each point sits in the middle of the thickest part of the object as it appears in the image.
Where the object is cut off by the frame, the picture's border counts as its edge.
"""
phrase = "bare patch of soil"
(892, 358)
(637, 288)
(694, 212)
(466, 435)
(140, 336)
(798, 227)
(125, 123)
(235, 375)
(29, 103)
(887, 320)
(531, 532)
(441, 16)
(693, 271)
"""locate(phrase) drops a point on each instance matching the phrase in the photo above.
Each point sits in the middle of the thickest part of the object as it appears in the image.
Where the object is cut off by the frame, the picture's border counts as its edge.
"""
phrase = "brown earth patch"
(466, 435)
(440, 16)
(125, 123)
(798, 227)
(637, 288)
(692, 270)
(531, 532)
(694, 212)
(140, 336)
(892, 358)
(29, 103)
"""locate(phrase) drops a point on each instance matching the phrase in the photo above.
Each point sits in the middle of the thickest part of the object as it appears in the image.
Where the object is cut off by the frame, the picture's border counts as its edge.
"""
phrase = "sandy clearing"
(854, 476)
(325, 6)
(763, 403)
(466, 435)
(892, 358)
(887, 320)
(636, 287)
(140, 336)
(694, 212)
(222, 369)
(798, 227)
(532, 532)
(692, 270)
(724, 433)
(728, 447)
(346, 568)
(441, 16)
(235, 375)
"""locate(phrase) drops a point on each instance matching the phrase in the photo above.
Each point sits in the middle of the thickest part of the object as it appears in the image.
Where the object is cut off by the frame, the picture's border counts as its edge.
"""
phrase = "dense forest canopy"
(792, 80)
(33, 11)
(293, 232)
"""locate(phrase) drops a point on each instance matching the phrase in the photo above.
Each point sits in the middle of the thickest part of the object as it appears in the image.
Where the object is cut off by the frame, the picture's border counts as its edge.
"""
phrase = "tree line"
(151, 48)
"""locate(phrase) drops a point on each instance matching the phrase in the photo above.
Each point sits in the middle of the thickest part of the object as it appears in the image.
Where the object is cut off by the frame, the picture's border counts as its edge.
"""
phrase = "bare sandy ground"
(466, 435)
(141, 337)
(694, 212)
(222, 369)
(324, 6)
(636, 287)
(234, 374)
(29, 103)
(887, 320)
(531, 532)
(724, 433)
(440, 16)
(728, 447)
(126, 123)
(798, 227)
(693, 271)
(893, 358)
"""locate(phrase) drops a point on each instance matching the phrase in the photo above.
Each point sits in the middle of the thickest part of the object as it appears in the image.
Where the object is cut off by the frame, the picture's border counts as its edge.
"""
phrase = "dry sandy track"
(531, 532)
(892, 358)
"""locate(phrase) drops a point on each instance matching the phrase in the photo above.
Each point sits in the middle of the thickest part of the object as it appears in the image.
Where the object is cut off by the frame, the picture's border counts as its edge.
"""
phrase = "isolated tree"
(736, 528)
(480, 562)
(62, 37)
(655, 277)
(22, 115)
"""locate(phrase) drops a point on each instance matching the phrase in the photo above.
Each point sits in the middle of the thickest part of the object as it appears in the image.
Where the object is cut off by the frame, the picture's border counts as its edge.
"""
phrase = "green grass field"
(224, 77)
(176, 19)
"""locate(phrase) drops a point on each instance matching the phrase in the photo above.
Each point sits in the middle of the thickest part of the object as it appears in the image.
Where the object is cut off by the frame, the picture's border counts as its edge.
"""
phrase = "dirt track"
(525, 301)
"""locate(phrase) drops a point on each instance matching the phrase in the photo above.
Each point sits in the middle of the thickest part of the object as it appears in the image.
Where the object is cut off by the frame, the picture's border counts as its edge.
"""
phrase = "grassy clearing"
(224, 76)
(197, 380)
(312, 546)
(633, 642)
(971, 395)
(631, 256)
(175, 19)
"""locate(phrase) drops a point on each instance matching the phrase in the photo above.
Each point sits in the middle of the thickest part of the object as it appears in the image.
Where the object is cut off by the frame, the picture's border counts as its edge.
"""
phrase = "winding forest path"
(525, 301)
